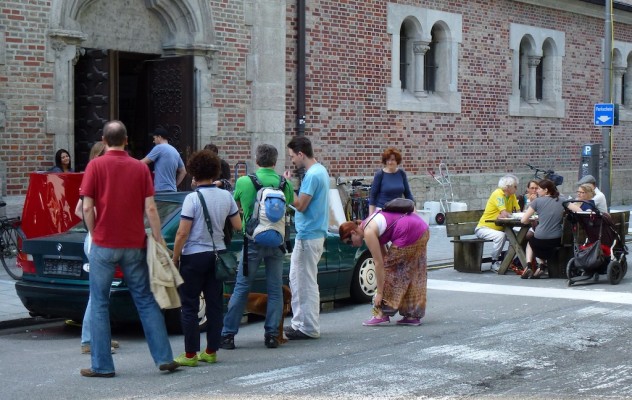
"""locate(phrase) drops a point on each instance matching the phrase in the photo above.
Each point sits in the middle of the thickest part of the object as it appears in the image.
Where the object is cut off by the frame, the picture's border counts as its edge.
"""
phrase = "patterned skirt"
(406, 279)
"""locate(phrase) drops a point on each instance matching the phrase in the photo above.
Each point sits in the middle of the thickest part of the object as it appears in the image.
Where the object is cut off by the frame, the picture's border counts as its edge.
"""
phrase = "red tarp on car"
(50, 203)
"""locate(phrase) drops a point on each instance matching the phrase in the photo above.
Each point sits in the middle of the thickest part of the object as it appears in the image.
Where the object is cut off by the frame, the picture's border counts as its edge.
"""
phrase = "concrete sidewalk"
(440, 254)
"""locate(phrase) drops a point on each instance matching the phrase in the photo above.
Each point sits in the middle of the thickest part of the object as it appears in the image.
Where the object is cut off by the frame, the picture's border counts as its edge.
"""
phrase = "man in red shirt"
(121, 189)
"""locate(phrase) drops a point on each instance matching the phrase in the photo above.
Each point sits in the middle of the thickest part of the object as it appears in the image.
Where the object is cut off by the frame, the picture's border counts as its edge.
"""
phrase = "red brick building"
(482, 85)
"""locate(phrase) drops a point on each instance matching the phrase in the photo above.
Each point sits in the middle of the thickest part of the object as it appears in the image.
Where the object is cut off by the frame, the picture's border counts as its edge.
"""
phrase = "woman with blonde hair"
(400, 270)
(586, 192)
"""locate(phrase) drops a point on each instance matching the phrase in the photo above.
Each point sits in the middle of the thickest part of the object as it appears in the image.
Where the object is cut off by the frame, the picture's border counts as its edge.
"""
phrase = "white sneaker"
(495, 266)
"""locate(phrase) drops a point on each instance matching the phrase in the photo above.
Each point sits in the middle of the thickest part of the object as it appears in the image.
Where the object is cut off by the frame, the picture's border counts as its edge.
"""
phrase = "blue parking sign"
(604, 114)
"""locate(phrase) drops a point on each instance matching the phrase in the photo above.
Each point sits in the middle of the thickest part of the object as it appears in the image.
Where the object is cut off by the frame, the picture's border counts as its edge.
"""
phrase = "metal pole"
(606, 132)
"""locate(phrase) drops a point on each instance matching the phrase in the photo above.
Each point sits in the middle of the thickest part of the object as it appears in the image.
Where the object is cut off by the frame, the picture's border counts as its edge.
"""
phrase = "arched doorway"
(132, 60)
(142, 90)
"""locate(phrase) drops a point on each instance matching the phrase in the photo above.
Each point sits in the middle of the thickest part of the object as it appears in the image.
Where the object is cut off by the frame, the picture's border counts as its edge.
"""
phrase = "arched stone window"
(537, 72)
(622, 79)
(424, 60)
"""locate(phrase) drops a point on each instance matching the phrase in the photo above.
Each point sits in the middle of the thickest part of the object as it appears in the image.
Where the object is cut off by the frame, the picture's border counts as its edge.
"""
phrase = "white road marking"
(511, 290)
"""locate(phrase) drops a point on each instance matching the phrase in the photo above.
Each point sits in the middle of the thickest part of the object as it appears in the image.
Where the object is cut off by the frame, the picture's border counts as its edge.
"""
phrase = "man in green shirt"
(245, 195)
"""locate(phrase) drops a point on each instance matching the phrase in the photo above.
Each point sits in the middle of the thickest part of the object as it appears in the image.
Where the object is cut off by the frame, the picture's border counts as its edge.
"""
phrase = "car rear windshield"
(165, 209)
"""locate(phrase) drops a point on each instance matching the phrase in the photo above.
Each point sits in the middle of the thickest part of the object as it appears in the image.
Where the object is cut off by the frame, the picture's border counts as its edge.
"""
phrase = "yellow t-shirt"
(496, 203)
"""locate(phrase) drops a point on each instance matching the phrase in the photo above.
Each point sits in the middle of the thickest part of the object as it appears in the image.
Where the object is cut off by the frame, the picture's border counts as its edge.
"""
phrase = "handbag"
(225, 261)
(399, 205)
(589, 256)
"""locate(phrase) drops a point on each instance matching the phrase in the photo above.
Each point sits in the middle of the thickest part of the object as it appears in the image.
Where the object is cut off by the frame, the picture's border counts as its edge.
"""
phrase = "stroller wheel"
(440, 218)
(615, 272)
(571, 271)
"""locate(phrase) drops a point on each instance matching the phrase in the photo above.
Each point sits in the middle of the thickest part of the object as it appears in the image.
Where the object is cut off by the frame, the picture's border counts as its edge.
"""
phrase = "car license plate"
(62, 267)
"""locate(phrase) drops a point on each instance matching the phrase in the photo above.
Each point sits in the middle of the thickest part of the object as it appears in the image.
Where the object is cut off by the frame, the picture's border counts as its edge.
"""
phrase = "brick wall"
(348, 68)
(26, 83)
(231, 92)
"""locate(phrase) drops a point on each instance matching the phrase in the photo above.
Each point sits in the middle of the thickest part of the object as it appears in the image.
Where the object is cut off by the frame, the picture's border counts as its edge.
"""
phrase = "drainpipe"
(300, 69)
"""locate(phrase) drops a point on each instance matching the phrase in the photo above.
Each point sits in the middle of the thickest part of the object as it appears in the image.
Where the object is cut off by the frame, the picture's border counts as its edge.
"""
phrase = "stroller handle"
(593, 207)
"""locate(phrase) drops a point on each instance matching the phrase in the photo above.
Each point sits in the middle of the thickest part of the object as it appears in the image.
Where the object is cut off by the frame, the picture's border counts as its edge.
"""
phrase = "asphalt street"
(484, 336)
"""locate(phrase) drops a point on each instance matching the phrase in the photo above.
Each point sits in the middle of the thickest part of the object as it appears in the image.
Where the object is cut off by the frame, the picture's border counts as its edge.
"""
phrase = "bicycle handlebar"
(545, 171)
(354, 182)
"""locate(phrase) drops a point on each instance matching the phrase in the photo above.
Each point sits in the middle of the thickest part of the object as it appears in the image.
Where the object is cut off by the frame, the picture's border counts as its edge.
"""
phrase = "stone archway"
(165, 27)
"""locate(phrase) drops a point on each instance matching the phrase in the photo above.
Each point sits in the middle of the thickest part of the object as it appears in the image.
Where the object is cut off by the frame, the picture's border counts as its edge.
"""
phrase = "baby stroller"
(603, 253)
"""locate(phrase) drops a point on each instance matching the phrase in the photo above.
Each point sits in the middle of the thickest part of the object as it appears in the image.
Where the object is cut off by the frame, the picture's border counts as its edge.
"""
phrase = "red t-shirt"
(119, 185)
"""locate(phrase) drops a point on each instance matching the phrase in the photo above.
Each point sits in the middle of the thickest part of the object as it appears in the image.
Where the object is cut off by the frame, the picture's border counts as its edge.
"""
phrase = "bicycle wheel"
(9, 252)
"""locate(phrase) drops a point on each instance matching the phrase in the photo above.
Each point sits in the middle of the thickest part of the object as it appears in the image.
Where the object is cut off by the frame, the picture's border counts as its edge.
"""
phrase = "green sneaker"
(186, 362)
(208, 358)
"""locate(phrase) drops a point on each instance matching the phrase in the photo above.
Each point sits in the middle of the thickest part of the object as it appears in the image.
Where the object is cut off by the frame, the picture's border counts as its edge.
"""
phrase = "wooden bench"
(468, 252)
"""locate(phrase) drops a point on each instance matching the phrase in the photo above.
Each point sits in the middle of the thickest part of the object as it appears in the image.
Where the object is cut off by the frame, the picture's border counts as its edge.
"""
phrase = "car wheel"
(173, 322)
(364, 280)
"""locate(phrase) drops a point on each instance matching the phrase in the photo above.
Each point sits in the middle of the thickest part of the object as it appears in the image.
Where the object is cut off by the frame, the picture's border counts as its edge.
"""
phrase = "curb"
(24, 322)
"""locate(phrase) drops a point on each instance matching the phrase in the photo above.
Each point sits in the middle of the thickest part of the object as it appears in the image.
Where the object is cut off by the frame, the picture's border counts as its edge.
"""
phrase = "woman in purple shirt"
(400, 270)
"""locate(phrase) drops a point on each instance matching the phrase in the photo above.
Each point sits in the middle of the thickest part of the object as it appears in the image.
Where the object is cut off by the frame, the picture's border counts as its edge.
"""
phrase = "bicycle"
(9, 235)
(357, 206)
(546, 174)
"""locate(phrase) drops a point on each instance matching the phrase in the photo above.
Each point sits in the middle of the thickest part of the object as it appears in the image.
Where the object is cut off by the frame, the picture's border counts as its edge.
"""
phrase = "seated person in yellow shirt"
(500, 204)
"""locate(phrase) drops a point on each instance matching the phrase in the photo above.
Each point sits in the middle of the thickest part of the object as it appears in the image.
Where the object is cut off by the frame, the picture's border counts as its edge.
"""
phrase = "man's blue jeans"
(136, 275)
(273, 260)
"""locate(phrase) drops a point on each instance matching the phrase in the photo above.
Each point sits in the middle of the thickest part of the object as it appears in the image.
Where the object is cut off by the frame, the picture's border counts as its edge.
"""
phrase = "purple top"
(401, 230)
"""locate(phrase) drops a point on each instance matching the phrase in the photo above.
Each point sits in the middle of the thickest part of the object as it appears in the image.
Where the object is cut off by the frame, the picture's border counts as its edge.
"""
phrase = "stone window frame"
(621, 77)
(419, 23)
(539, 45)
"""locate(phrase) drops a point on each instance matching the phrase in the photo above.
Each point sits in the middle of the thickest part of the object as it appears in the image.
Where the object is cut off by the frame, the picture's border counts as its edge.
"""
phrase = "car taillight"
(23, 260)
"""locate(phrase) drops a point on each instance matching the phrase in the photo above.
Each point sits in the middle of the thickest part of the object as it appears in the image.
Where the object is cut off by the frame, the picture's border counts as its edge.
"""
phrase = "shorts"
(545, 249)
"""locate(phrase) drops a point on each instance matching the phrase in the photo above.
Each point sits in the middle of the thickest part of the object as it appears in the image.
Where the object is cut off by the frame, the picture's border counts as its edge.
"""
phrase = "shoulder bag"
(225, 261)
(399, 205)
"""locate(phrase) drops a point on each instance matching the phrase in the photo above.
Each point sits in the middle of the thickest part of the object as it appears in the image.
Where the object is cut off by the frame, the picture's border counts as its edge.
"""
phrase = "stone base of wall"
(474, 189)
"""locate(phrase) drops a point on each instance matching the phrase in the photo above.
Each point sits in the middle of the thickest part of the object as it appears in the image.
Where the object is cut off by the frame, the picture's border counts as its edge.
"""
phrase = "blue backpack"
(266, 225)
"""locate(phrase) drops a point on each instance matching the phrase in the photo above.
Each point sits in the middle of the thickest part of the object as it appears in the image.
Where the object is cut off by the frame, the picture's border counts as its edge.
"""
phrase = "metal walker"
(443, 178)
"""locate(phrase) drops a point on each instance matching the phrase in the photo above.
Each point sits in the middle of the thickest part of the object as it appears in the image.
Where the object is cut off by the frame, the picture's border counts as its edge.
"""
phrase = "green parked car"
(55, 285)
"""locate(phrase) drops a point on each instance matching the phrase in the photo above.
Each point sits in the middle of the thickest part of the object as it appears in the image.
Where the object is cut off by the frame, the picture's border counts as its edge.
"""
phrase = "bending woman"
(400, 270)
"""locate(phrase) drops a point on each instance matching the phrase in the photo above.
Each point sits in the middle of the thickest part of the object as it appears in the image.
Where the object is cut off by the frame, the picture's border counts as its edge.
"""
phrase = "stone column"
(63, 51)
(534, 61)
(618, 84)
(419, 50)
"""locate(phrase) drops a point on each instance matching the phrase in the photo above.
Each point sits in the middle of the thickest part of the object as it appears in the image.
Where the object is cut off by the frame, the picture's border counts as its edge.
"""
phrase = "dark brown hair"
(550, 187)
(203, 165)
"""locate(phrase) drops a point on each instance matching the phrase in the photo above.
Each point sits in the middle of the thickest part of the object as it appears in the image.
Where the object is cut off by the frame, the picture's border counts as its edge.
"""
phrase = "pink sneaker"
(409, 321)
(374, 321)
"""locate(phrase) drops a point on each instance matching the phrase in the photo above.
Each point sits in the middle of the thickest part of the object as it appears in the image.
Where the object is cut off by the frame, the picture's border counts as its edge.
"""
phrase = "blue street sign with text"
(604, 114)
